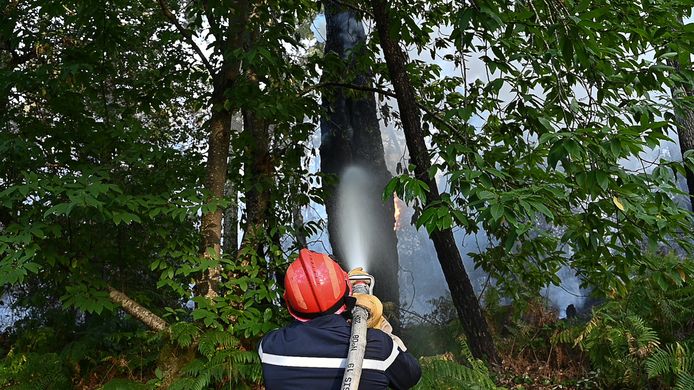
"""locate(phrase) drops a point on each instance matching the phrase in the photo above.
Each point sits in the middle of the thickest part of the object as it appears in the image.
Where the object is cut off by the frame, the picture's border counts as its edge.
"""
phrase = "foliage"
(34, 371)
(646, 336)
(433, 333)
(101, 173)
(545, 149)
(676, 361)
(619, 346)
(43, 357)
(444, 372)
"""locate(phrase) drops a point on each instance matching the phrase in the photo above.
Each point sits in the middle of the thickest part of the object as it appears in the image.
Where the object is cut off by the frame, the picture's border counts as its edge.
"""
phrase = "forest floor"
(531, 356)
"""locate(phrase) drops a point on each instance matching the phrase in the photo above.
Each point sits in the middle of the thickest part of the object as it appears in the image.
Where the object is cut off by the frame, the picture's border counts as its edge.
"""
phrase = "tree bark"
(351, 135)
(218, 144)
(137, 311)
(258, 172)
(464, 298)
(685, 129)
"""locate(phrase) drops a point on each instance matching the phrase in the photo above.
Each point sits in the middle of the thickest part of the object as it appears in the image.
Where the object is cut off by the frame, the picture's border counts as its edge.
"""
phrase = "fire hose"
(361, 284)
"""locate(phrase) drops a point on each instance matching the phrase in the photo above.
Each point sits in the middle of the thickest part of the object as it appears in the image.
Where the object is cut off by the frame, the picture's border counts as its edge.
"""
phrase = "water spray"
(357, 239)
(362, 283)
(355, 219)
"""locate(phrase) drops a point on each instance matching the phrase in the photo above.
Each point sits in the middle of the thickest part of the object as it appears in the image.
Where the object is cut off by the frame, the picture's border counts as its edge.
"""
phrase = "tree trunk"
(218, 144)
(218, 152)
(258, 172)
(469, 312)
(685, 129)
(351, 135)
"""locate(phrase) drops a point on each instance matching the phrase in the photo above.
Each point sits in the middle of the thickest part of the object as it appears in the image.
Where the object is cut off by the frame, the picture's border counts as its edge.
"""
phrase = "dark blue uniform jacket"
(312, 356)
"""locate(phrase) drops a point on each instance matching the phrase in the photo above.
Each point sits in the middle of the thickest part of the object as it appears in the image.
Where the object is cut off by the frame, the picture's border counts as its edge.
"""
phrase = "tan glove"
(357, 271)
(373, 305)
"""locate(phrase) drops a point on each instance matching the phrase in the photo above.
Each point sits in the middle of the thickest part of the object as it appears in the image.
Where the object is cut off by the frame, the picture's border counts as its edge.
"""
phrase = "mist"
(355, 220)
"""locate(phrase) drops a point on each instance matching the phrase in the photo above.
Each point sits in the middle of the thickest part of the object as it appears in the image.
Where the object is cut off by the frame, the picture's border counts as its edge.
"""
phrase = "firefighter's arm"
(404, 372)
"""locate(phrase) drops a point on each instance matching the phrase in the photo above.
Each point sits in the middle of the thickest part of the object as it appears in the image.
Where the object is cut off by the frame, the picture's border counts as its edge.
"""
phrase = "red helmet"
(315, 285)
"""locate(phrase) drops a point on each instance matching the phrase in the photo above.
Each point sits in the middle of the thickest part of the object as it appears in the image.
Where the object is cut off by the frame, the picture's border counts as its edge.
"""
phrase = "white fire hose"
(363, 284)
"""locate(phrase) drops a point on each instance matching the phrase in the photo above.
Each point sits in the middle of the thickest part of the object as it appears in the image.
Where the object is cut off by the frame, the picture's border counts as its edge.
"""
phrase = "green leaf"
(543, 209)
(497, 211)
(59, 209)
(602, 179)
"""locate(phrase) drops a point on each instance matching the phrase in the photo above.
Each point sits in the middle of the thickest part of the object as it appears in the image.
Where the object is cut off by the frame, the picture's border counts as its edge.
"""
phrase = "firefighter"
(311, 352)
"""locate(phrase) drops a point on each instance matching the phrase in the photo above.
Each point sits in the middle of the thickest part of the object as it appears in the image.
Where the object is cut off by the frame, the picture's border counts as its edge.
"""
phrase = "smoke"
(421, 278)
(354, 219)
(567, 293)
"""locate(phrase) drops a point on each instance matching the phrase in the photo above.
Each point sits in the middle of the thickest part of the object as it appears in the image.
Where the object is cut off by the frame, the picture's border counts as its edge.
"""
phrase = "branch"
(211, 20)
(136, 310)
(19, 59)
(187, 34)
(351, 86)
(353, 8)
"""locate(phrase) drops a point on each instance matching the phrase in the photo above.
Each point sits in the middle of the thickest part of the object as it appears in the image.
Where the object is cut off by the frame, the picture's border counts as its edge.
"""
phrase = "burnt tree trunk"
(685, 128)
(469, 311)
(351, 135)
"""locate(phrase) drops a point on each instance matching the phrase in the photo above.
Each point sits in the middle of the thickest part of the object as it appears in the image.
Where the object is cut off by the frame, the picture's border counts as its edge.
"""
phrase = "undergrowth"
(644, 338)
(640, 338)
(448, 372)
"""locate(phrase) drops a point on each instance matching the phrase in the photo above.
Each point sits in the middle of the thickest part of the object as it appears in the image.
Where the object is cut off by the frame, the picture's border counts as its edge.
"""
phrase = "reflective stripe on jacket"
(312, 355)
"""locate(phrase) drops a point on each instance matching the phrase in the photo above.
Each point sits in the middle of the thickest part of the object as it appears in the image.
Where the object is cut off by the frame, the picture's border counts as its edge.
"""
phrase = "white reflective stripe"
(321, 362)
(393, 354)
(302, 361)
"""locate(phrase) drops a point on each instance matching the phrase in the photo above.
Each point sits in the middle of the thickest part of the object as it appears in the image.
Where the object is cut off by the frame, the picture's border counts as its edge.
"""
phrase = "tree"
(685, 127)
(227, 39)
(682, 93)
(351, 135)
(102, 177)
(464, 298)
(553, 170)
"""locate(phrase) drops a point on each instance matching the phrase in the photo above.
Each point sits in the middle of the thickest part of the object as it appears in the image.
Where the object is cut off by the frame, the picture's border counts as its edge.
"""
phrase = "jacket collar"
(327, 321)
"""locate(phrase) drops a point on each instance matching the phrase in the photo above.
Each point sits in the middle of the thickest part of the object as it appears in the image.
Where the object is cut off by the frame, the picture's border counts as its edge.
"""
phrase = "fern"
(685, 381)
(642, 340)
(617, 345)
(221, 362)
(439, 373)
(216, 339)
(443, 372)
(674, 360)
(184, 333)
